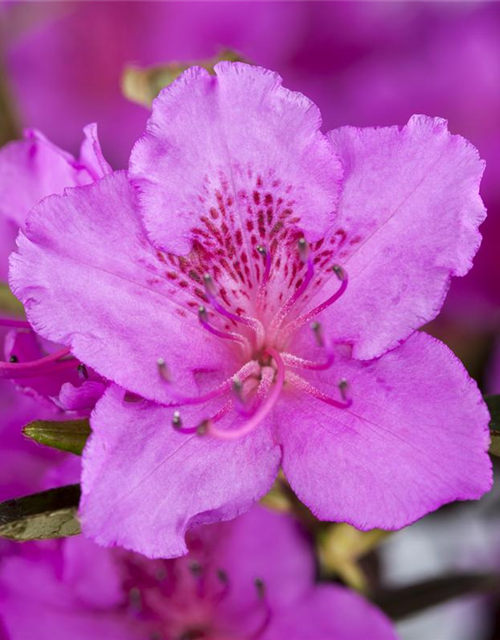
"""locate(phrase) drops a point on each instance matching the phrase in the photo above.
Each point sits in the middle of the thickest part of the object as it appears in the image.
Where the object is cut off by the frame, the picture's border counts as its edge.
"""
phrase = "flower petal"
(34, 168)
(212, 144)
(408, 220)
(331, 613)
(90, 280)
(144, 484)
(415, 438)
(92, 573)
(34, 603)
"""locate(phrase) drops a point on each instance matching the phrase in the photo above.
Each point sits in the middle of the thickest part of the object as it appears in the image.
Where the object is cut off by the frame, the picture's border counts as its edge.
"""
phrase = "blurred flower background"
(66, 64)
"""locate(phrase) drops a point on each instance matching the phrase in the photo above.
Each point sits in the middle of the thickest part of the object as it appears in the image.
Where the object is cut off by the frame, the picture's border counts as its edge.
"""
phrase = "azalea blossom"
(253, 288)
(31, 169)
(252, 578)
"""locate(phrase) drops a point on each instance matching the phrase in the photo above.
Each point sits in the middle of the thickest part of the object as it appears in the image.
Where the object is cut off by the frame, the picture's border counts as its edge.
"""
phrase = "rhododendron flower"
(253, 288)
(248, 579)
(30, 170)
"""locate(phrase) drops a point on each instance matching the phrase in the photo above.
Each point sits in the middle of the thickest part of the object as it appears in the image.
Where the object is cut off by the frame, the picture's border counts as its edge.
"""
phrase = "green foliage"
(70, 435)
(49, 514)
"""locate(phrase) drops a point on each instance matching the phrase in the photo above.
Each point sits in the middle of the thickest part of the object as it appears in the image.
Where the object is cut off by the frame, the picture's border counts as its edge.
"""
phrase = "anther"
(13, 359)
(238, 388)
(303, 249)
(209, 284)
(163, 369)
(343, 387)
(202, 312)
(339, 272)
(261, 588)
(318, 333)
(222, 576)
(195, 568)
(82, 372)
(135, 599)
(263, 251)
(202, 428)
(176, 420)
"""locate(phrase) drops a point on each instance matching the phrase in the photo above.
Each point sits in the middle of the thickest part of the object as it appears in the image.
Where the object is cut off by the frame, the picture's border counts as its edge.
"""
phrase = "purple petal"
(415, 438)
(213, 142)
(408, 220)
(32, 169)
(144, 484)
(116, 307)
(91, 156)
(330, 613)
(81, 398)
(92, 573)
(34, 603)
(25, 346)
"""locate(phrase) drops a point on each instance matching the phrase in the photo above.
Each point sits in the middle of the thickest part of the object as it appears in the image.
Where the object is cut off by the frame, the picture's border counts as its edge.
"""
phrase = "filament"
(14, 323)
(307, 317)
(201, 427)
(299, 383)
(225, 335)
(248, 369)
(267, 269)
(47, 364)
(249, 322)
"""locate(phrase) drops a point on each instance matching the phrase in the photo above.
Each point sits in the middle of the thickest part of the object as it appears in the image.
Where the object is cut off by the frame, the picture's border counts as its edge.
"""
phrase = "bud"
(70, 435)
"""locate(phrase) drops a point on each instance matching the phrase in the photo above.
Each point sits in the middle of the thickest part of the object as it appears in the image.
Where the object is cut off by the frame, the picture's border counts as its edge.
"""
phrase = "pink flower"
(30, 170)
(252, 578)
(259, 285)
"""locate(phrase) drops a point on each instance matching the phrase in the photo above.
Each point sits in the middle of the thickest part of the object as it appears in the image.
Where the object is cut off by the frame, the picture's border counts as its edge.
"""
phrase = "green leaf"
(401, 602)
(8, 301)
(49, 514)
(70, 435)
(493, 403)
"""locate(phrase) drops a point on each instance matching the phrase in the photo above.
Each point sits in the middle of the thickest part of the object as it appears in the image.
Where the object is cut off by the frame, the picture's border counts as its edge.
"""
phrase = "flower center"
(263, 344)
(180, 600)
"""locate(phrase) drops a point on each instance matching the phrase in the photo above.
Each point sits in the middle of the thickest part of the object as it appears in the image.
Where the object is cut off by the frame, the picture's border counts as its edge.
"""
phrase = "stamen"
(299, 383)
(224, 581)
(318, 333)
(301, 363)
(198, 574)
(202, 427)
(82, 372)
(304, 254)
(343, 388)
(239, 401)
(48, 364)
(225, 335)
(303, 249)
(14, 323)
(261, 594)
(135, 600)
(263, 410)
(163, 370)
(307, 317)
(249, 322)
(246, 370)
(267, 270)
